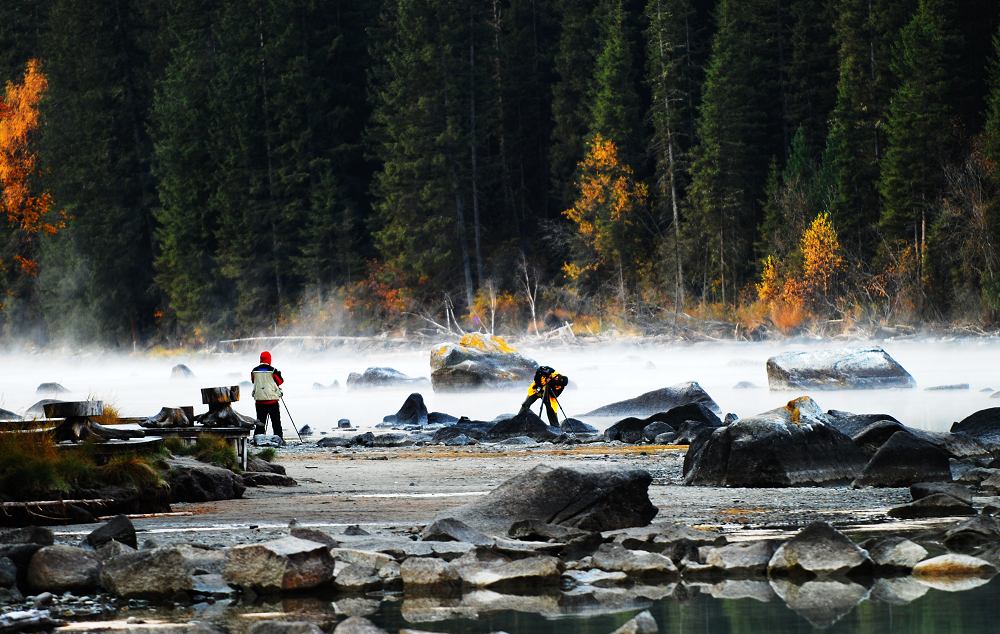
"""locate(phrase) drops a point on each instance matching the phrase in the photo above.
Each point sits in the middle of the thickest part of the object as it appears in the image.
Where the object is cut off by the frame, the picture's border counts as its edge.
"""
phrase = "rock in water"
(590, 497)
(181, 371)
(903, 460)
(381, 377)
(288, 563)
(863, 368)
(661, 400)
(789, 446)
(822, 602)
(819, 549)
(51, 388)
(954, 565)
(413, 412)
(478, 362)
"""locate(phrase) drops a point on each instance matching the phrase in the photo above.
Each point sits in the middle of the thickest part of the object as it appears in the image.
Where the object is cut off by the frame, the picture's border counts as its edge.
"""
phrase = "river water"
(140, 384)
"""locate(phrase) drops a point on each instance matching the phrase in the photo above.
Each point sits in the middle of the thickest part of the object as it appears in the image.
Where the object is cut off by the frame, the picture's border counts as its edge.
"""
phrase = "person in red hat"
(267, 392)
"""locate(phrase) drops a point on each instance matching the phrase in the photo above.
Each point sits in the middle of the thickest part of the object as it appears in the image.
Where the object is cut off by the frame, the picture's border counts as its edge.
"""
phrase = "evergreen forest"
(178, 171)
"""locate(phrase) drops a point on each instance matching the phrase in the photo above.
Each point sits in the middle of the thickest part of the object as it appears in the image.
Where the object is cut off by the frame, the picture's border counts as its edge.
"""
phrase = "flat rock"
(61, 568)
(616, 558)
(661, 400)
(789, 446)
(536, 530)
(284, 627)
(267, 478)
(677, 541)
(953, 565)
(641, 623)
(428, 572)
(160, 571)
(819, 549)
(450, 529)
(960, 492)
(357, 625)
(520, 572)
(288, 563)
(382, 377)
(895, 552)
(934, 505)
(596, 577)
(844, 369)
(903, 460)
(357, 578)
(588, 497)
(740, 558)
(333, 441)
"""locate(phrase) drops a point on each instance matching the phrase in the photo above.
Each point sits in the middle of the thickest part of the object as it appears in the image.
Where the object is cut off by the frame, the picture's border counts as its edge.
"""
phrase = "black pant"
(549, 411)
(265, 410)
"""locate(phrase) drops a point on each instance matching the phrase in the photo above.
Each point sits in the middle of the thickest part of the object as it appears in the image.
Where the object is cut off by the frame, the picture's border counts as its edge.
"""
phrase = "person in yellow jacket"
(548, 385)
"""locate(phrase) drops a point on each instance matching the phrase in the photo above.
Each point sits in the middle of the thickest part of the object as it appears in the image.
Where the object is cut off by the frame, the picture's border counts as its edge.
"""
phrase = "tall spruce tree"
(811, 72)
(614, 104)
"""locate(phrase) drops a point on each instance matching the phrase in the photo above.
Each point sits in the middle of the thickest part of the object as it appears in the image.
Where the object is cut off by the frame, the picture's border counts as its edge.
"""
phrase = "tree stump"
(74, 409)
(220, 396)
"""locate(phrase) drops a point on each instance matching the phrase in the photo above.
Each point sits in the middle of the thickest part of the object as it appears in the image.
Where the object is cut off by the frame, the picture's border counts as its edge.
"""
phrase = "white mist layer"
(139, 385)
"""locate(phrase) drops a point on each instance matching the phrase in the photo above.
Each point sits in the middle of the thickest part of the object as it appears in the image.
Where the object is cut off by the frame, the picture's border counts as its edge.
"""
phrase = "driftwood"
(79, 429)
(169, 417)
(21, 505)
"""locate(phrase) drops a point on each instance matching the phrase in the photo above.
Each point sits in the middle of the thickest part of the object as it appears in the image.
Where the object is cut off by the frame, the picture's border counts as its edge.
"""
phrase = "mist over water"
(599, 374)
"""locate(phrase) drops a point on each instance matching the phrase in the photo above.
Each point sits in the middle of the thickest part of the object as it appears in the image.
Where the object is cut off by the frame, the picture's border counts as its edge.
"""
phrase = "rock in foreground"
(588, 497)
(862, 368)
(288, 563)
(789, 446)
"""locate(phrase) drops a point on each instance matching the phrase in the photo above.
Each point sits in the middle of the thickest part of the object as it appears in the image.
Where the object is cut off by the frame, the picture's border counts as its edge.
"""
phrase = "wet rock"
(959, 492)
(897, 590)
(267, 478)
(194, 481)
(440, 418)
(536, 530)
(661, 400)
(818, 549)
(181, 371)
(390, 440)
(520, 572)
(355, 530)
(61, 568)
(894, 552)
(953, 565)
(366, 439)
(211, 585)
(484, 364)
(118, 528)
(28, 621)
(594, 577)
(268, 440)
(284, 627)
(461, 440)
(524, 423)
(38, 535)
(357, 625)
(755, 589)
(934, 505)
(412, 412)
(973, 533)
(255, 463)
(677, 541)
(788, 446)
(518, 441)
(688, 431)
(657, 428)
(112, 549)
(155, 572)
(903, 460)
(357, 578)
(450, 529)
(428, 572)
(983, 425)
(51, 388)
(821, 602)
(333, 441)
(382, 377)
(362, 558)
(616, 558)
(576, 426)
(740, 558)
(852, 424)
(343, 423)
(665, 439)
(588, 497)
(641, 623)
(862, 368)
(288, 563)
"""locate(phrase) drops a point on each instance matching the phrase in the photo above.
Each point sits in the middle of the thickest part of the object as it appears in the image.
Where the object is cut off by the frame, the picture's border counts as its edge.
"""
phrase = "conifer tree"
(614, 109)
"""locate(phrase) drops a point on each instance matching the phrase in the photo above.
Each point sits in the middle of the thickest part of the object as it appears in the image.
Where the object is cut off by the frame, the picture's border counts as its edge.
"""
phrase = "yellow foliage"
(486, 344)
(769, 287)
(821, 257)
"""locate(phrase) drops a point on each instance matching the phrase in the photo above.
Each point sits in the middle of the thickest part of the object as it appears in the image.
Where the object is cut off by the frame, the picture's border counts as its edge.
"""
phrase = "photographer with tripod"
(548, 385)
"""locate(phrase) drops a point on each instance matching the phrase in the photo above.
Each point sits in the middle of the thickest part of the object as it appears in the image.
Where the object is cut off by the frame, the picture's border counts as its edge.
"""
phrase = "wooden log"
(72, 409)
(220, 395)
(79, 429)
(21, 505)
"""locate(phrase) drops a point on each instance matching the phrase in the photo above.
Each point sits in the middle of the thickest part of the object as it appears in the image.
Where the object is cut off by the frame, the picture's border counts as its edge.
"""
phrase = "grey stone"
(576, 426)
(51, 388)
(425, 571)
(616, 558)
(596, 577)
(641, 623)
(118, 528)
(284, 627)
(333, 441)
(822, 602)
(314, 535)
(451, 529)
(973, 533)
(740, 558)
(181, 371)
(8, 573)
(288, 563)
(934, 505)
(677, 541)
(756, 589)
(461, 440)
(523, 424)
(357, 578)
(536, 530)
(156, 572)
(661, 400)
(61, 568)
(895, 552)
(530, 570)
(39, 535)
(382, 377)
(954, 565)
(958, 491)
(267, 478)
(456, 367)
(897, 590)
(591, 497)
(194, 481)
(904, 460)
(819, 549)
(364, 558)
(268, 440)
(983, 425)
(255, 463)
(211, 585)
(412, 412)
(357, 625)
(843, 369)
(666, 438)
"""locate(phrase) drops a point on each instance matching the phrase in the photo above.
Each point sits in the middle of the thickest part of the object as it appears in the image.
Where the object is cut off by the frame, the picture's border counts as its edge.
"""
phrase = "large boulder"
(381, 377)
(155, 572)
(118, 528)
(817, 549)
(634, 429)
(412, 412)
(478, 362)
(62, 568)
(588, 497)
(789, 446)
(288, 563)
(662, 400)
(181, 371)
(841, 369)
(903, 460)
(983, 425)
(195, 481)
(524, 423)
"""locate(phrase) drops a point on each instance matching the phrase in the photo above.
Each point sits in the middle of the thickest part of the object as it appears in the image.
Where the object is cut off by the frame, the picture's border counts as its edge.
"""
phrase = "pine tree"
(614, 104)
(812, 72)
(921, 125)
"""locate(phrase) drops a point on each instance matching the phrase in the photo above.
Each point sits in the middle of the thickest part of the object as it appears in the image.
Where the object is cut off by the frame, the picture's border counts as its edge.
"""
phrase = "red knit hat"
(265, 357)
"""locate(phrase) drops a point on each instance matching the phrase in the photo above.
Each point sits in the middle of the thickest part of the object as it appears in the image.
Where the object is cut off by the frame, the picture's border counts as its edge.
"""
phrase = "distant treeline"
(231, 168)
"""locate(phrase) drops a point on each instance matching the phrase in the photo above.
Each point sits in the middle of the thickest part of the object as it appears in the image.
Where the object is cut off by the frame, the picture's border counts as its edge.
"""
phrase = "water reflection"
(902, 605)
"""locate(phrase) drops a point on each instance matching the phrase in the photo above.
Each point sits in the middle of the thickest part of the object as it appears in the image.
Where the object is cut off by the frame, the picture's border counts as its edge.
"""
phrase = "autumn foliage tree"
(26, 212)
(608, 198)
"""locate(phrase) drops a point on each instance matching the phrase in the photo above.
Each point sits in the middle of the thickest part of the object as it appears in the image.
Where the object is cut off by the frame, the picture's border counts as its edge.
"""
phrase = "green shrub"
(129, 469)
(217, 451)
(178, 446)
(267, 454)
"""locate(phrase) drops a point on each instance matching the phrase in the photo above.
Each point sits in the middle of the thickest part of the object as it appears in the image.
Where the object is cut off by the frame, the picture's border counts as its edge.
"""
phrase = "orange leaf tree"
(821, 258)
(26, 212)
(607, 199)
